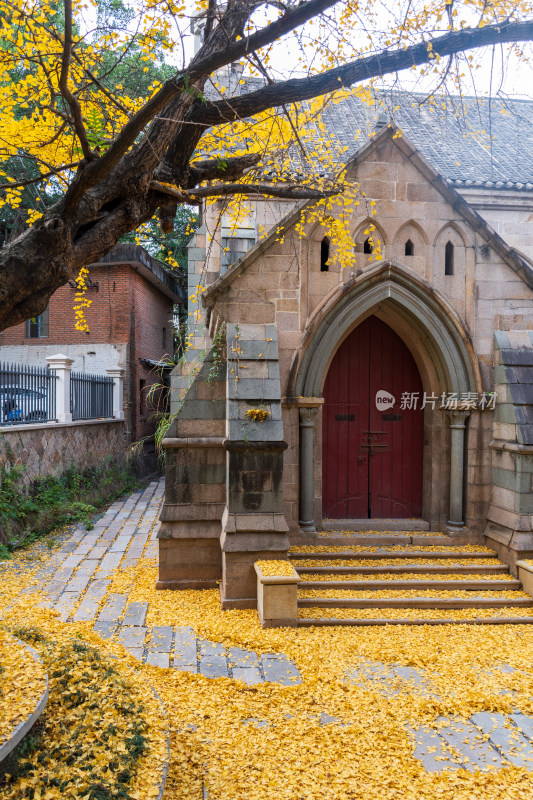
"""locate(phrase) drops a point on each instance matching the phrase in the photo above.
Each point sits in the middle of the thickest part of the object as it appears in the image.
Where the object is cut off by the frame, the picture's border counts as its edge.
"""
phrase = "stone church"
(393, 396)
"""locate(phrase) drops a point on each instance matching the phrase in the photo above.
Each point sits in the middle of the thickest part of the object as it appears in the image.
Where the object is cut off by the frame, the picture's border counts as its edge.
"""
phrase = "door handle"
(361, 459)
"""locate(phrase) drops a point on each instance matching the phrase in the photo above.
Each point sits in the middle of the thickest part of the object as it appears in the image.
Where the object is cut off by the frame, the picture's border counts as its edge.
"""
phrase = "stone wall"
(50, 449)
(510, 515)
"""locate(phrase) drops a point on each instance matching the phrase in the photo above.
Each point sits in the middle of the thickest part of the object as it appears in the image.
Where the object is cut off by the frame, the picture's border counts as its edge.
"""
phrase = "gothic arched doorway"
(372, 450)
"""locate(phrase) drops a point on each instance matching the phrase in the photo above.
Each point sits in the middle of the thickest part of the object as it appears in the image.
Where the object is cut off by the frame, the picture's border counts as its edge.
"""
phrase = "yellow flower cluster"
(257, 414)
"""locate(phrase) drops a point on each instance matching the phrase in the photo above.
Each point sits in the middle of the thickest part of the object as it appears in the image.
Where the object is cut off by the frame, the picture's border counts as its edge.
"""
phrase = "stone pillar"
(458, 419)
(253, 524)
(307, 416)
(62, 366)
(117, 373)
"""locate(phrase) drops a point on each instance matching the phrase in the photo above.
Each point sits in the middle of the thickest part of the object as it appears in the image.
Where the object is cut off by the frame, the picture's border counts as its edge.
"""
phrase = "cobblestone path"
(78, 575)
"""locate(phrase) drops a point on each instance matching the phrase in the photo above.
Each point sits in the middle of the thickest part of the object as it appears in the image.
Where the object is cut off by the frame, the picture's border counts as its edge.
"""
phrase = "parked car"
(18, 404)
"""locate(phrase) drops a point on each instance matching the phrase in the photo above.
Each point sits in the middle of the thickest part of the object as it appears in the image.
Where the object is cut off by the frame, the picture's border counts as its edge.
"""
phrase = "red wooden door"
(372, 457)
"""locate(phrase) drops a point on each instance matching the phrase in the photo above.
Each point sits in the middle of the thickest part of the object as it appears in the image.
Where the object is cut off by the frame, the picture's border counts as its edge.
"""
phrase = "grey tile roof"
(468, 141)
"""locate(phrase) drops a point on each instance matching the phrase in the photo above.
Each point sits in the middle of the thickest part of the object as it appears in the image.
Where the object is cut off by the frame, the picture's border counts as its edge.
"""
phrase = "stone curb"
(23, 727)
(166, 765)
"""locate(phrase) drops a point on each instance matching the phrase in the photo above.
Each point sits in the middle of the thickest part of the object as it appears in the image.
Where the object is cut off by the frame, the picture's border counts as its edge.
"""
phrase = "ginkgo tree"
(112, 156)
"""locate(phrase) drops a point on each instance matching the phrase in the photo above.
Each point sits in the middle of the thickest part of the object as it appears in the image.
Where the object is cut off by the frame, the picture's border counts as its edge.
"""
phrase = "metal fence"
(91, 396)
(27, 394)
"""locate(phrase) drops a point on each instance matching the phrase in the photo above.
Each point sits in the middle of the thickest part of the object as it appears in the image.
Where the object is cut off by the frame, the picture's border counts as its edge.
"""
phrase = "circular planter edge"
(23, 727)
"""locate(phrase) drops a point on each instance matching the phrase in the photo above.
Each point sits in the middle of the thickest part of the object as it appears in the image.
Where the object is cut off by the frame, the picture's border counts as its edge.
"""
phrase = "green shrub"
(28, 512)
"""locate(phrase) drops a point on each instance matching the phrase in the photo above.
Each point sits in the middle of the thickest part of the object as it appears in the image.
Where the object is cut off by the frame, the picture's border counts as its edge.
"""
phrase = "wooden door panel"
(372, 459)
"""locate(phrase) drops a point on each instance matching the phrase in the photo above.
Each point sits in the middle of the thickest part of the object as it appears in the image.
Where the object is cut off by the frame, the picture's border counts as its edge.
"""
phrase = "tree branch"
(200, 67)
(299, 89)
(73, 104)
(291, 191)
(41, 177)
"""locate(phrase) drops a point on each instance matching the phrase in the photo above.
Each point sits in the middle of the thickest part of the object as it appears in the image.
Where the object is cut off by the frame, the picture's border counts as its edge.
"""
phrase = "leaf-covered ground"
(331, 737)
(18, 668)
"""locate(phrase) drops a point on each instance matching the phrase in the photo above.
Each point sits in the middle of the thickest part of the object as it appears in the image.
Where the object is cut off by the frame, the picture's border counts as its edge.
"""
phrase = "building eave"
(142, 262)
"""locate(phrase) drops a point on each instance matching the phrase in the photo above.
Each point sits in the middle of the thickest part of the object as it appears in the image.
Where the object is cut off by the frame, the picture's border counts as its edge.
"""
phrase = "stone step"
(377, 585)
(439, 569)
(307, 622)
(396, 554)
(381, 539)
(376, 525)
(414, 602)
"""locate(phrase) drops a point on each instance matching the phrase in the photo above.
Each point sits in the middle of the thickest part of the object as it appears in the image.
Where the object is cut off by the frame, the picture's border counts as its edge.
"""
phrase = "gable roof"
(474, 142)
(515, 260)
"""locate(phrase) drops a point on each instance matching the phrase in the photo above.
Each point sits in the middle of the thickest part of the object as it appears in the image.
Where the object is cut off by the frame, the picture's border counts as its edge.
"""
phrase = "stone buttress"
(510, 515)
(224, 486)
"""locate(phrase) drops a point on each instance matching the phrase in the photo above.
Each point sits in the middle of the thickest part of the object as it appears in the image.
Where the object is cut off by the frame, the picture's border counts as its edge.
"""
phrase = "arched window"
(368, 246)
(409, 248)
(448, 259)
(324, 254)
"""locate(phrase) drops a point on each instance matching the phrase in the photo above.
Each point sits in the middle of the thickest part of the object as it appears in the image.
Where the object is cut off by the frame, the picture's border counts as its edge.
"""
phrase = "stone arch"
(452, 226)
(418, 260)
(451, 284)
(438, 339)
(314, 238)
(443, 352)
(359, 237)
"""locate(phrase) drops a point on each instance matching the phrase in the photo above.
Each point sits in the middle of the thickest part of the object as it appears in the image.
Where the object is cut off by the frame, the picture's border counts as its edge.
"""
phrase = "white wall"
(89, 358)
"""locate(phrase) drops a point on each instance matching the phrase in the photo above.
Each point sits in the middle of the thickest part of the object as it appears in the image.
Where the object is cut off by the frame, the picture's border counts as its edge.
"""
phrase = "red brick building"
(131, 325)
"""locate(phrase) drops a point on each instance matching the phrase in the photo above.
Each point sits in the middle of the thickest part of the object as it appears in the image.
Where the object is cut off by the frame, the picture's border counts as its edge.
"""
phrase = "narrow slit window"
(448, 259)
(324, 255)
(409, 248)
(368, 246)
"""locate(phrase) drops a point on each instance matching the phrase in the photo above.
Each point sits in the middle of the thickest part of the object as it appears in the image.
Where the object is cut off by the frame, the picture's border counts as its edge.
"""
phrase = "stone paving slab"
(185, 650)
(105, 629)
(280, 669)
(158, 659)
(113, 609)
(77, 578)
(509, 740)
(242, 659)
(210, 649)
(430, 749)
(250, 675)
(464, 738)
(161, 639)
(214, 667)
(132, 637)
(135, 614)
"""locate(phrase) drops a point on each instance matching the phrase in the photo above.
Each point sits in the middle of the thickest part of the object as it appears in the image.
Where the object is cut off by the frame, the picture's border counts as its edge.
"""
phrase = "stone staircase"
(404, 578)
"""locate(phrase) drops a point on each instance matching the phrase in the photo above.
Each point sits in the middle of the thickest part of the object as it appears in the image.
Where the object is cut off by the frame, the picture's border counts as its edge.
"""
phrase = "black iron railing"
(27, 394)
(91, 396)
